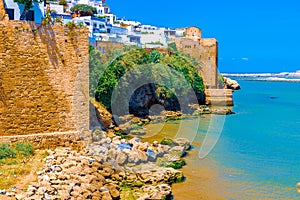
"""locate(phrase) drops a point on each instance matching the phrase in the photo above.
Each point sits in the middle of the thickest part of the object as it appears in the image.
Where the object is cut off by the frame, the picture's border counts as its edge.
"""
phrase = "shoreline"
(279, 74)
(269, 77)
(120, 152)
(202, 180)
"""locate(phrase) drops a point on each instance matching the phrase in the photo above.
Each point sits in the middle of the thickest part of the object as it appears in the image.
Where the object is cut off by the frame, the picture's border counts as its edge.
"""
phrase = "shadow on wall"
(47, 36)
(42, 77)
(2, 94)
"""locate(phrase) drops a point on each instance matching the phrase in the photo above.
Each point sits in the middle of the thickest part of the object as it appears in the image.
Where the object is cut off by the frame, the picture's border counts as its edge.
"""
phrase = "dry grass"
(20, 171)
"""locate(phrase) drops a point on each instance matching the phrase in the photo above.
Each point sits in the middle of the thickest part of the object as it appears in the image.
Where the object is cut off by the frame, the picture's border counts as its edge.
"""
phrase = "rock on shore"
(111, 168)
(231, 84)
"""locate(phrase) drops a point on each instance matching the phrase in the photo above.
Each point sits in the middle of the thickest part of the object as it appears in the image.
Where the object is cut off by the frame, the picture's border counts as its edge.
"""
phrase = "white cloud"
(245, 59)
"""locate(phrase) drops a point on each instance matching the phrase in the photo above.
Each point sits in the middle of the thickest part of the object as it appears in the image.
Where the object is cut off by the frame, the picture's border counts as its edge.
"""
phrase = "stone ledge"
(48, 140)
(219, 97)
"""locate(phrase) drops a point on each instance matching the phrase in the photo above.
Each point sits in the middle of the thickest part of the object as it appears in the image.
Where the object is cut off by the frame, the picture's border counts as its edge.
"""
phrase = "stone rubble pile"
(106, 169)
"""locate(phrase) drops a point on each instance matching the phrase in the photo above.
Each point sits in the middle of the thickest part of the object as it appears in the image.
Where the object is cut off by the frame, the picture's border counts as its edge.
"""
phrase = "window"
(11, 13)
(103, 50)
(99, 49)
(30, 15)
(208, 57)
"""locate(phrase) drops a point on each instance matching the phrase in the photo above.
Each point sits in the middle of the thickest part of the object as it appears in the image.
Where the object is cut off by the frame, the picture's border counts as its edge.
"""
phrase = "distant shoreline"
(281, 74)
(274, 77)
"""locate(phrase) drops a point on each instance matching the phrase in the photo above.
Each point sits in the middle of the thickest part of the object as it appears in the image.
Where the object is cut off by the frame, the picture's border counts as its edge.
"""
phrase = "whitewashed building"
(15, 10)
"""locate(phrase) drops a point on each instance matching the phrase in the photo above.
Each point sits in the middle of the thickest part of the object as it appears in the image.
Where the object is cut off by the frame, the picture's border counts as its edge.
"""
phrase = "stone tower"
(204, 50)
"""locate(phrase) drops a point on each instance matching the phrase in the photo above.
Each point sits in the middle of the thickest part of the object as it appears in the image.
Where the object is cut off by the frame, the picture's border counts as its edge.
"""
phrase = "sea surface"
(258, 153)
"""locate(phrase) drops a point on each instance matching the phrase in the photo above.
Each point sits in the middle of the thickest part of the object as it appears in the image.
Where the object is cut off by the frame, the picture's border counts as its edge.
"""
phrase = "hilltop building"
(107, 31)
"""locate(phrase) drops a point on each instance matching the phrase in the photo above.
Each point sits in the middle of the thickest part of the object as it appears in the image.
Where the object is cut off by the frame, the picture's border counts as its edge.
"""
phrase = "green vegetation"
(18, 164)
(137, 184)
(71, 25)
(127, 192)
(172, 47)
(166, 141)
(118, 66)
(63, 3)
(220, 81)
(96, 68)
(157, 42)
(84, 10)
(80, 25)
(176, 164)
(20, 149)
(6, 151)
(122, 135)
(25, 149)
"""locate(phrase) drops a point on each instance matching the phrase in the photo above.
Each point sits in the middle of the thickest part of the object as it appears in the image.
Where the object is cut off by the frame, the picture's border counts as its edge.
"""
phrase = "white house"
(104, 11)
(58, 8)
(95, 25)
(93, 3)
(153, 36)
(15, 10)
(180, 32)
(128, 22)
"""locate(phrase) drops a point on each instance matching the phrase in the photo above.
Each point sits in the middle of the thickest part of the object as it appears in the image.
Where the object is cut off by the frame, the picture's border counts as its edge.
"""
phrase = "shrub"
(166, 141)
(176, 164)
(113, 71)
(58, 20)
(63, 2)
(71, 25)
(84, 10)
(6, 151)
(25, 149)
(81, 25)
(221, 81)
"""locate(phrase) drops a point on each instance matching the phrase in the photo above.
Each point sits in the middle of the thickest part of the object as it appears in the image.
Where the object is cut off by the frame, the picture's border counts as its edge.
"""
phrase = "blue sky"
(254, 36)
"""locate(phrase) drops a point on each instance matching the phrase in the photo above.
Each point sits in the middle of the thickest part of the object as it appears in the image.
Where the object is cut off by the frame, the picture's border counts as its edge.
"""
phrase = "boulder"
(231, 84)
(121, 158)
(106, 195)
(133, 157)
(183, 142)
(177, 151)
(107, 172)
(152, 155)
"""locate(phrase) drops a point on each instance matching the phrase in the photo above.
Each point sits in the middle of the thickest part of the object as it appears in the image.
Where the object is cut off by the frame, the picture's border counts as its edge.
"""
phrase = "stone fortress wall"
(204, 50)
(44, 76)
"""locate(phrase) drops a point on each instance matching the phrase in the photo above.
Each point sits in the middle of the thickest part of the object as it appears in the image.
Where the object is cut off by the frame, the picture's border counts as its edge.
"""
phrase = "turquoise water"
(258, 153)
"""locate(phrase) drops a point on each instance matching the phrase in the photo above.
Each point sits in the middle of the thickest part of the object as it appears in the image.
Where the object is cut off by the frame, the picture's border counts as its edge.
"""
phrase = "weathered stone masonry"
(43, 78)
